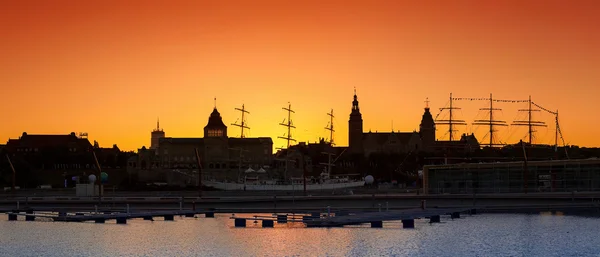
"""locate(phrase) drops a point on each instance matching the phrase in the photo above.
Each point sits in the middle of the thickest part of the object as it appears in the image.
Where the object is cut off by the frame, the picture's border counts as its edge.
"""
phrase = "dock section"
(377, 218)
(102, 217)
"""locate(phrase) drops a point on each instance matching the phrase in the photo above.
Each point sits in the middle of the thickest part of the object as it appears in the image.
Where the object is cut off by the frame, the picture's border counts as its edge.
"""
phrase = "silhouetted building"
(110, 157)
(427, 130)
(156, 135)
(52, 159)
(355, 128)
(215, 126)
(466, 143)
(393, 142)
(48, 143)
(509, 177)
(221, 157)
(378, 142)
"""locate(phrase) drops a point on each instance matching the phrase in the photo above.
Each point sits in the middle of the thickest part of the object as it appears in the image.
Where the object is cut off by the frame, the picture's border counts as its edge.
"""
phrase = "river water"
(477, 235)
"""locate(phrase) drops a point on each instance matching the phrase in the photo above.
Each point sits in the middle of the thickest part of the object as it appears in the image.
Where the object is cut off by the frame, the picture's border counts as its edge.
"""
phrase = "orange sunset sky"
(110, 68)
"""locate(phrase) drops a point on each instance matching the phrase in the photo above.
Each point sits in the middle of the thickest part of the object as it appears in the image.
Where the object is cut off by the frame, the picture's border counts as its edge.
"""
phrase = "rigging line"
(445, 134)
(485, 136)
(546, 134)
(487, 99)
(542, 108)
(445, 105)
(511, 134)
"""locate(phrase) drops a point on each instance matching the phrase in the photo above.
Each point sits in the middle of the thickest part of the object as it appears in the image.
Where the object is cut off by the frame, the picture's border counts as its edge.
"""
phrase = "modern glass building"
(513, 177)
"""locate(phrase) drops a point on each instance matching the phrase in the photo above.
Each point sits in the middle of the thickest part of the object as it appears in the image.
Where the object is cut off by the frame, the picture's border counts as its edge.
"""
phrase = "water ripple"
(479, 235)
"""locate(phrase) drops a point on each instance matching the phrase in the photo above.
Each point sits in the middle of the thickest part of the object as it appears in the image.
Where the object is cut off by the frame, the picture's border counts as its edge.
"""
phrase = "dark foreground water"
(479, 235)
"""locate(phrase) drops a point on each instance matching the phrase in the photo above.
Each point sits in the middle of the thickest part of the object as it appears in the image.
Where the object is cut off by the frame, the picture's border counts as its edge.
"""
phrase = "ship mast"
(329, 153)
(330, 127)
(242, 126)
(491, 122)
(530, 123)
(289, 125)
(450, 122)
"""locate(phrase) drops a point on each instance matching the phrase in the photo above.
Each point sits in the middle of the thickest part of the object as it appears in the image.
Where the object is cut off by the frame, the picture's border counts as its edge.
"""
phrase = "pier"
(341, 218)
(102, 217)
(377, 218)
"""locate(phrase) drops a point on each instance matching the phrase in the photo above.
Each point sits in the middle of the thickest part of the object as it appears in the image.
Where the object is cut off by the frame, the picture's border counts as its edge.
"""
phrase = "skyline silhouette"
(510, 134)
(109, 69)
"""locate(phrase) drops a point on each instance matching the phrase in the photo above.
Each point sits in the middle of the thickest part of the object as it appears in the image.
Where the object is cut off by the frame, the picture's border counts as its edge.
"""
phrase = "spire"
(215, 103)
(427, 103)
(355, 102)
(157, 129)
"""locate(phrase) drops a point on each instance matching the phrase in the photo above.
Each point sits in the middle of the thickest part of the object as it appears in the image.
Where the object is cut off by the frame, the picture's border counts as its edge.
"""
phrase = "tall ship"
(265, 178)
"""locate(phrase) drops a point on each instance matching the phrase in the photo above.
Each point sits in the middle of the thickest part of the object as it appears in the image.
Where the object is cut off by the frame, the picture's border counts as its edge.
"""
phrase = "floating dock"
(102, 217)
(343, 218)
(377, 218)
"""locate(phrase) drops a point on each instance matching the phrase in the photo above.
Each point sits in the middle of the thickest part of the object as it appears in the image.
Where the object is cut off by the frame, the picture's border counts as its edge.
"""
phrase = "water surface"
(478, 235)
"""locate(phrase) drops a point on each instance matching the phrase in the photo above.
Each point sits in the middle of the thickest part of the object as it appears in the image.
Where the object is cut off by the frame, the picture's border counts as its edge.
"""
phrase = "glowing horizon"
(111, 68)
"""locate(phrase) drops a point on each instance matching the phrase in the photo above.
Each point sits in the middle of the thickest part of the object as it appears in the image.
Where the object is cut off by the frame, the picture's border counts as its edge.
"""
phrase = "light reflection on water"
(479, 235)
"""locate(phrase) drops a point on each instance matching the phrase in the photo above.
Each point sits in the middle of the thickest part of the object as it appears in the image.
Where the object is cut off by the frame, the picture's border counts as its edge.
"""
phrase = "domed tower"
(157, 134)
(215, 126)
(355, 128)
(427, 128)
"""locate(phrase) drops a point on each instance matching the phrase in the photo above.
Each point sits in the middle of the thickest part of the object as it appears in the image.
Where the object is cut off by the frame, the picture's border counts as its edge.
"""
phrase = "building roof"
(182, 140)
(233, 141)
(464, 140)
(114, 149)
(427, 119)
(215, 120)
(48, 141)
(462, 166)
(383, 137)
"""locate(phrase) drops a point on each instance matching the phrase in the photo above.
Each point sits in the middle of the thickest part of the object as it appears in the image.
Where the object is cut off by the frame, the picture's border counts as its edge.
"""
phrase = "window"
(215, 133)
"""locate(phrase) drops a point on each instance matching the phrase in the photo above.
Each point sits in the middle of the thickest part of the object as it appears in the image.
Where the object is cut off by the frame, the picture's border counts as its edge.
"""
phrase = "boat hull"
(309, 187)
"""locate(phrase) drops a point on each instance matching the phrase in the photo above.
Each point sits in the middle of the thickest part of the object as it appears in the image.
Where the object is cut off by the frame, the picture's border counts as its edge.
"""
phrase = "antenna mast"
(330, 127)
(289, 125)
(450, 122)
(243, 122)
(491, 122)
(530, 123)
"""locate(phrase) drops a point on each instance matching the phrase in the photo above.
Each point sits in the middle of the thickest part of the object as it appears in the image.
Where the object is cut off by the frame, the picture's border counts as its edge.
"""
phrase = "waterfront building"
(222, 157)
(513, 177)
(378, 142)
(396, 142)
(50, 159)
